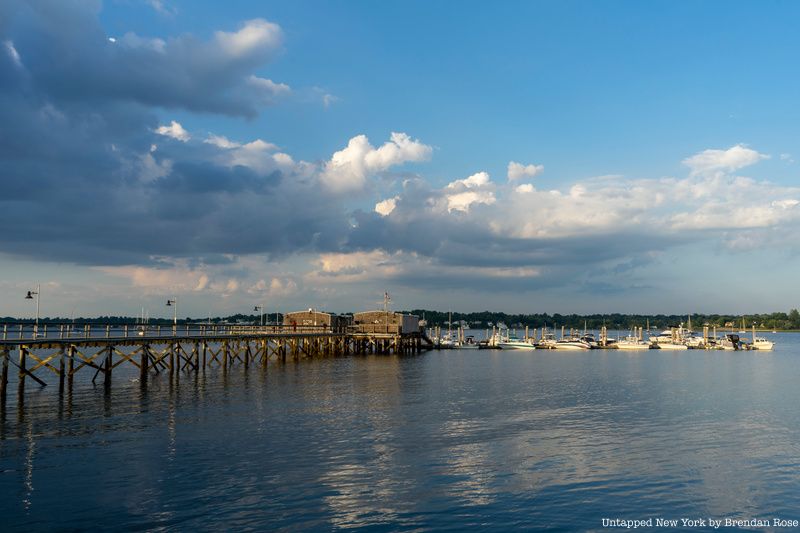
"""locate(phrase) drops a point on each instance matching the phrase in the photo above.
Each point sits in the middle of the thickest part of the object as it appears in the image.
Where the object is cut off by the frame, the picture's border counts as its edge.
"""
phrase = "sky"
(561, 157)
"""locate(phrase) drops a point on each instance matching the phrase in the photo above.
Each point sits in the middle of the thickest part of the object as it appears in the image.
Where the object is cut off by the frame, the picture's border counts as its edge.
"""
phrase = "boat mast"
(450, 324)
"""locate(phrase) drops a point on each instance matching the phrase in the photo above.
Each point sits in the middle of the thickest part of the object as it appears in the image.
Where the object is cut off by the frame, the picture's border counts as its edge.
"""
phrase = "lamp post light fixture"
(174, 304)
(30, 296)
(260, 309)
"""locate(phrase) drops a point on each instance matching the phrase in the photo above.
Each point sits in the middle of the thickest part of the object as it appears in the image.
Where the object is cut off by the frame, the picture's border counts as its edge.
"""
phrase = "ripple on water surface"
(446, 440)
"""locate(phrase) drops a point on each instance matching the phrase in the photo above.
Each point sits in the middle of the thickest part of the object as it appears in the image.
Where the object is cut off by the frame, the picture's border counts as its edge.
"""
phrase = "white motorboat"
(760, 343)
(512, 343)
(469, 343)
(669, 339)
(731, 341)
(671, 346)
(548, 342)
(633, 343)
(589, 339)
(573, 343)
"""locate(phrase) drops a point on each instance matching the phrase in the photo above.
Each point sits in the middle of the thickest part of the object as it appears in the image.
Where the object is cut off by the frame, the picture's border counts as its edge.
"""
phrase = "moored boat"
(761, 343)
(469, 343)
(572, 343)
(513, 343)
(547, 342)
(670, 339)
(633, 343)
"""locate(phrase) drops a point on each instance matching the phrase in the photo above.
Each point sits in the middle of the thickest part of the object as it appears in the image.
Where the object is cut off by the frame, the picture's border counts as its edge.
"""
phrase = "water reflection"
(458, 439)
(30, 453)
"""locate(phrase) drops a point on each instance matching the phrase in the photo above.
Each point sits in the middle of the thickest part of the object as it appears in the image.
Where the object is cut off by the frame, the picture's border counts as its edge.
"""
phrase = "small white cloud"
(476, 189)
(150, 169)
(221, 141)
(283, 159)
(479, 179)
(385, 207)
(734, 158)
(787, 158)
(267, 91)
(463, 200)
(259, 155)
(328, 100)
(202, 283)
(254, 37)
(274, 288)
(259, 145)
(12, 53)
(174, 130)
(161, 8)
(518, 171)
(282, 287)
(131, 40)
(112, 40)
(524, 188)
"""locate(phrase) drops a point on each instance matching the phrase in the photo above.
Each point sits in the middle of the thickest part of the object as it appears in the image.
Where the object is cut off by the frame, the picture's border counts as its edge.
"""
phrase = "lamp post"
(174, 304)
(30, 296)
(386, 301)
(260, 309)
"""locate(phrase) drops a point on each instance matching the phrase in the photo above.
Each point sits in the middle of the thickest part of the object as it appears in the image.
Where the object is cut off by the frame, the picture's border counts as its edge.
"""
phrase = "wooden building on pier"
(311, 319)
(385, 322)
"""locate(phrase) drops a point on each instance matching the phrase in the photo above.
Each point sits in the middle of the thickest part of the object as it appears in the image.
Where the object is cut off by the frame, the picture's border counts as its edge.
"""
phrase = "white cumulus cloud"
(517, 171)
(734, 158)
(174, 130)
(254, 37)
(385, 207)
(349, 168)
(476, 189)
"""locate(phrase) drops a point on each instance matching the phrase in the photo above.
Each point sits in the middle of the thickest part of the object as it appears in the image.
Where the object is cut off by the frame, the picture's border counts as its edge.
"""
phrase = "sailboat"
(142, 327)
(743, 330)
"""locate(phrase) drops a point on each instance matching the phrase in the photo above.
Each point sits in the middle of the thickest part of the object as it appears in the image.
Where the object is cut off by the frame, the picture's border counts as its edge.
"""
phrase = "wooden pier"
(44, 356)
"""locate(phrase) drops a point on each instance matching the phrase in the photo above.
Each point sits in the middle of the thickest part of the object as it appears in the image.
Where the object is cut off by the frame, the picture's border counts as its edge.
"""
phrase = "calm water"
(447, 440)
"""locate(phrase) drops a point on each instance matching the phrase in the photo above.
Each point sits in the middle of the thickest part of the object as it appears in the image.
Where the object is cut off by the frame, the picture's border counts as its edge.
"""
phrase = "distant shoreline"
(764, 322)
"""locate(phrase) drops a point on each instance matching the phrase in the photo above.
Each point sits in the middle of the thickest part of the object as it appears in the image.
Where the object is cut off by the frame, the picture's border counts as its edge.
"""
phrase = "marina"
(676, 338)
(55, 354)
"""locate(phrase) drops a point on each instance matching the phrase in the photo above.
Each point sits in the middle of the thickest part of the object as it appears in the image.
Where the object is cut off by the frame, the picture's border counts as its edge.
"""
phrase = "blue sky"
(303, 154)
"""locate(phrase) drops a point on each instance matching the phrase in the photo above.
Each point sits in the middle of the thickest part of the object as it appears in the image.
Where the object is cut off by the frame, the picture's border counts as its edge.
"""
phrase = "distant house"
(385, 322)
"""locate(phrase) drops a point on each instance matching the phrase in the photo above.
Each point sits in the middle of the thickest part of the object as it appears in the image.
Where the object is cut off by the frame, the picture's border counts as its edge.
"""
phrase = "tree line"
(485, 319)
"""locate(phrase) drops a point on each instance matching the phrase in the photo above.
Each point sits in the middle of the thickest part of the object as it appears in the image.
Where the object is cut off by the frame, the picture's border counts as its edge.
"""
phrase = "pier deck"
(59, 352)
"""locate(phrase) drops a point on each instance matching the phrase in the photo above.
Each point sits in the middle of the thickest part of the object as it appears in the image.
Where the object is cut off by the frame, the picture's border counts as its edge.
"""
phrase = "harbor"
(674, 338)
(584, 212)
